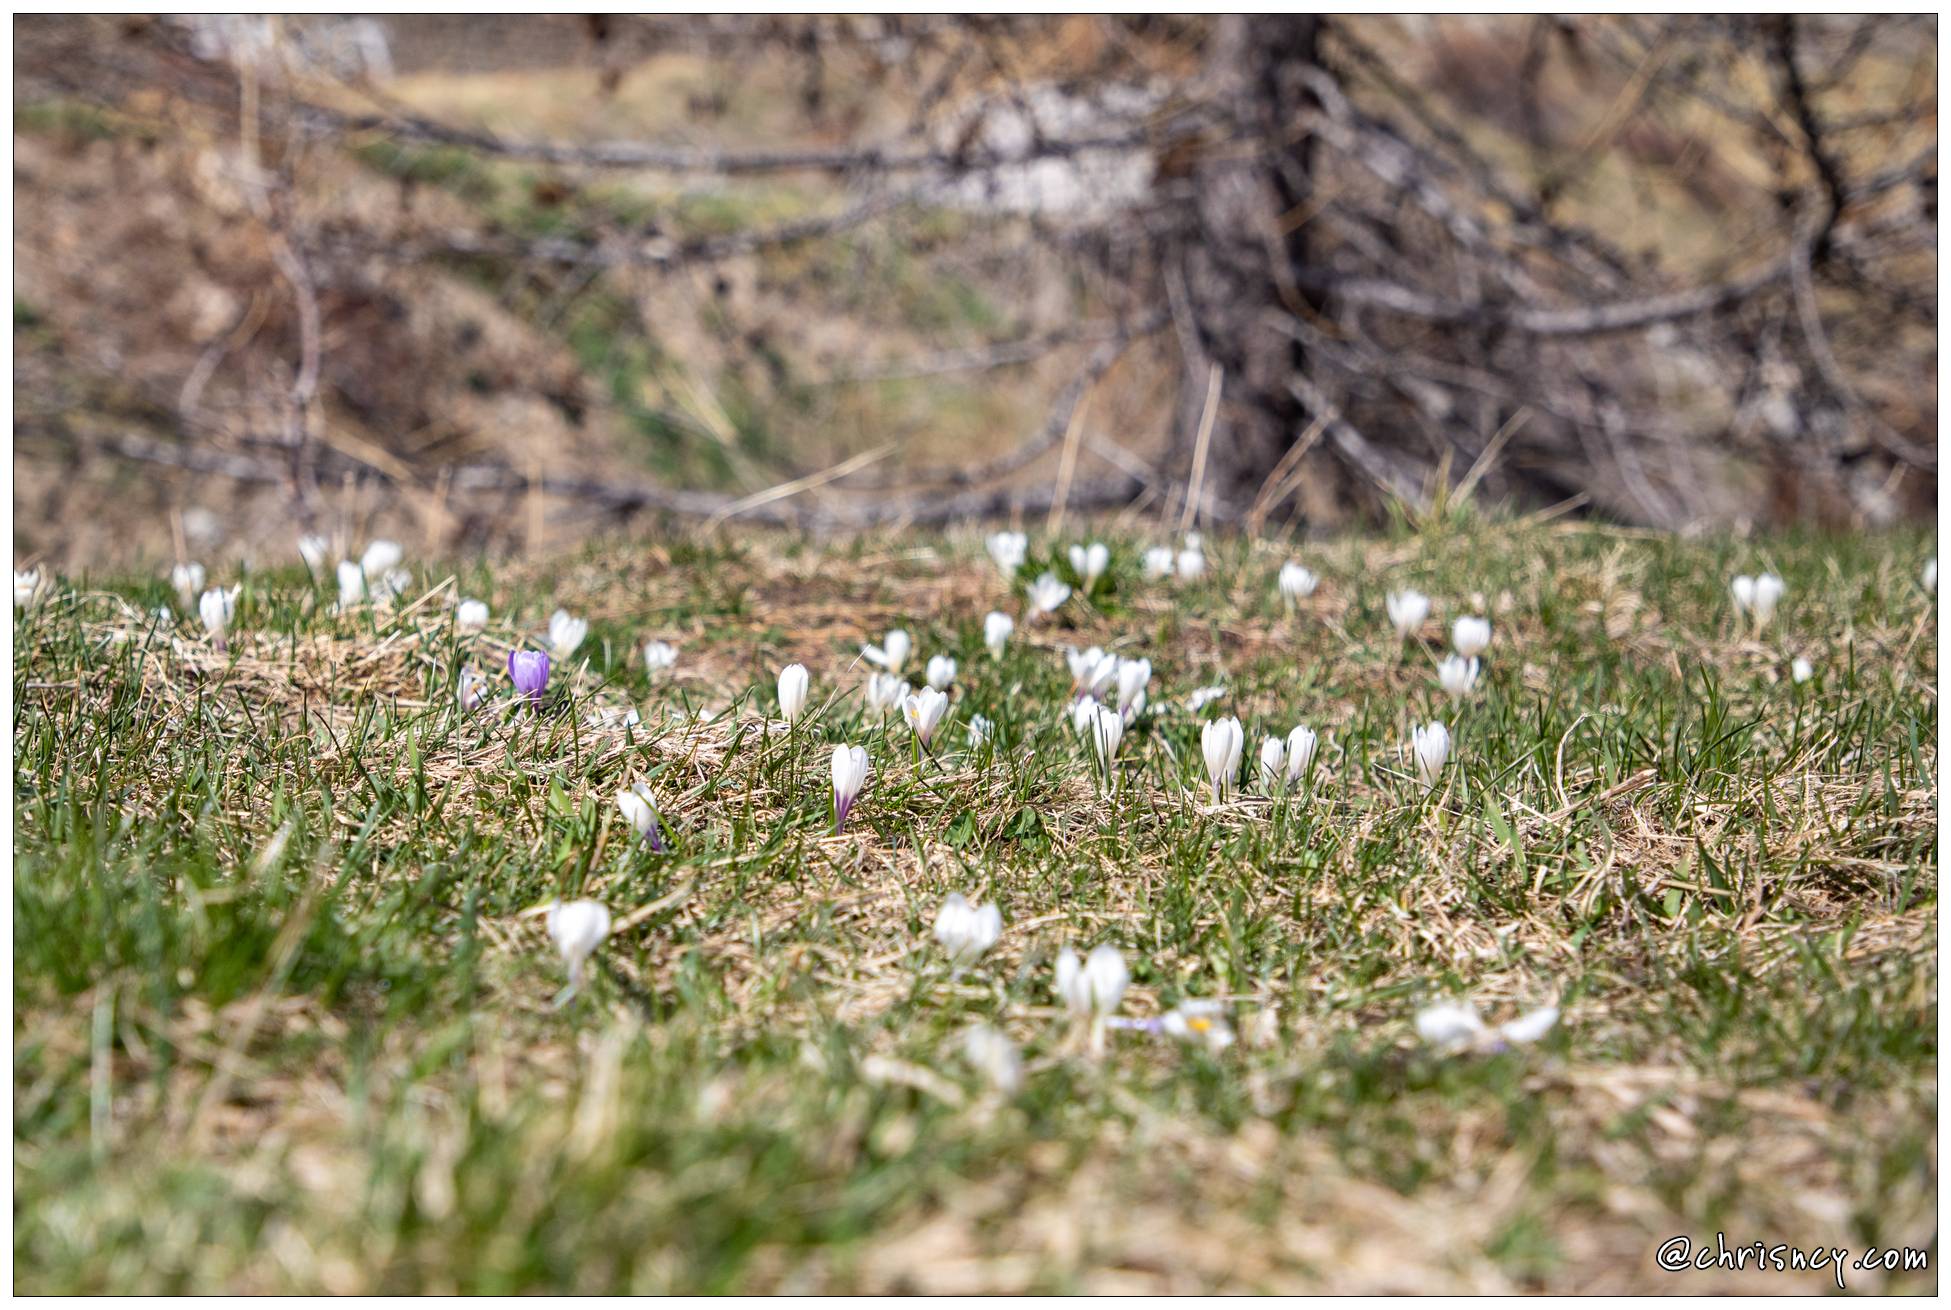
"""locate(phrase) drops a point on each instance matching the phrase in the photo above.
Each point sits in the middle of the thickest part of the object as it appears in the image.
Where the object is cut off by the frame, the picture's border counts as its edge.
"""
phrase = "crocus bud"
(1430, 744)
(885, 692)
(1192, 560)
(1800, 671)
(1407, 610)
(471, 616)
(1047, 593)
(1008, 549)
(1158, 562)
(1470, 635)
(1929, 576)
(966, 931)
(849, 776)
(941, 672)
(1092, 989)
(980, 729)
(993, 1056)
(578, 928)
(1092, 986)
(996, 631)
(1107, 730)
(793, 683)
(1273, 763)
(473, 689)
(640, 808)
(1090, 562)
(1222, 742)
(1300, 752)
(566, 632)
(1757, 597)
(892, 653)
(1457, 675)
(923, 711)
(312, 549)
(1297, 581)
(529, 671)
(352, 583)
(188, 581)
(380, 556)
(1132, 677)
(216, 607)
(658, 656)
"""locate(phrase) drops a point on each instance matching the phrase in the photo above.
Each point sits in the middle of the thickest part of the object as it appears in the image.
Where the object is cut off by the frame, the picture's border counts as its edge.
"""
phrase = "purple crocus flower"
(529, 671)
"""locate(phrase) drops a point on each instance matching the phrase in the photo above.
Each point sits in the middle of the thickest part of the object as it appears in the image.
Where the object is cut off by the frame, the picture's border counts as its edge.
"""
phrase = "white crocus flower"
(1091, 989)
(966, 931)
(658, 656)
(1470, 635)
(1047, 593)
(1757, 597)
(216, 607)
(923, 711)
(1273, 763)
(941, 672)
(313, 549)
(1008, 549)
(566, 632)
(393, 584)
(993, 1056)
(1158, 562)
(1133, 676)
(1300, 752)
(1457, 675)
(849, 776)
(577, 928)
(1407, 610)
(1091, 670)
(1222, 742)
(1083, 714)
(1204, 696)
(27, 588)
(1430, 744)
(1199, 1023)
(892, 653)
(885, 692)
(473, 688)
(640, 808)
(471, 616)
(794, 681)
(1090, 562)
(1297, 582)
(1452, 1026)
(980, 729)
(997, 628)
(380, 556)
(352, 583)
(1800, 671)
(1107, 729)
(188, 581)
(1192, 560)
(1929, 576)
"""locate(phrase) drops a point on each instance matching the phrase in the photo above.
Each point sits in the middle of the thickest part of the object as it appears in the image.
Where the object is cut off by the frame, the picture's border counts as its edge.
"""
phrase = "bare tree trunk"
(1236, 278)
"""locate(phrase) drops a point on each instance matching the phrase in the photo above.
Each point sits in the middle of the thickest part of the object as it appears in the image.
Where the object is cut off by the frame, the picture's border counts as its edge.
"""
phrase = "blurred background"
(497, 283)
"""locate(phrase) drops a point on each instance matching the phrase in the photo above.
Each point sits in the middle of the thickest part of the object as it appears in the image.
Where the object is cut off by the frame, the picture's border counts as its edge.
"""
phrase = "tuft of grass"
(285, 1019)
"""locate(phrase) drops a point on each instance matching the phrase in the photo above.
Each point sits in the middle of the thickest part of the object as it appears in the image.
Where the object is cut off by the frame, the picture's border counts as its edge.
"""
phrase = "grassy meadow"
(287, 1017)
